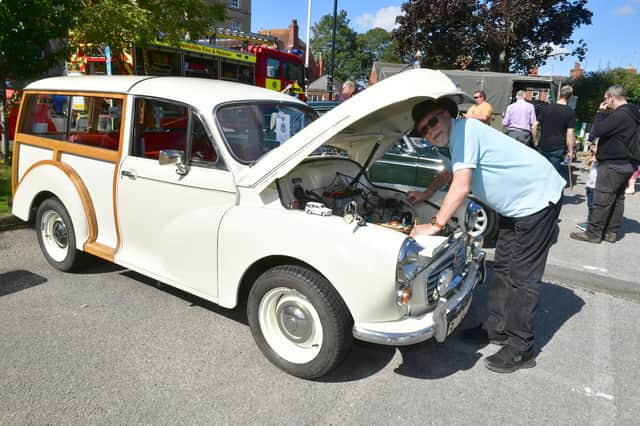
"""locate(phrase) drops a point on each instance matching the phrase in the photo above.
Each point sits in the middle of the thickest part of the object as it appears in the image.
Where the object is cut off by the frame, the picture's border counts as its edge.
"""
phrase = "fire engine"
(254, 63)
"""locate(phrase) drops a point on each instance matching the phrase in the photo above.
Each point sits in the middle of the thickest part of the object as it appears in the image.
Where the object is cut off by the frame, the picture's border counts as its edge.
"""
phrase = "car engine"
(340, 185)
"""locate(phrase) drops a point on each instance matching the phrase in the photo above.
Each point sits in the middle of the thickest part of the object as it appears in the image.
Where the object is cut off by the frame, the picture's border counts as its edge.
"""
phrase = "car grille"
(454, 257)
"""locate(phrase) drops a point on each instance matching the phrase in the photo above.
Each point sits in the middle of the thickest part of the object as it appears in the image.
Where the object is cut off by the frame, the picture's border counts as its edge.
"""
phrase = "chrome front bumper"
(439, 323)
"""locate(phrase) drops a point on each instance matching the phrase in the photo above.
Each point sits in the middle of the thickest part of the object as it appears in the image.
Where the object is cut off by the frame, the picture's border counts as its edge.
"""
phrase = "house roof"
(321, 84)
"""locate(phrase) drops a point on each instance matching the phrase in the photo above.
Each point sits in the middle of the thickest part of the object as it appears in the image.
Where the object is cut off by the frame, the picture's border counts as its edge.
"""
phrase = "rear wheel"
(56, 236)
(299, 321)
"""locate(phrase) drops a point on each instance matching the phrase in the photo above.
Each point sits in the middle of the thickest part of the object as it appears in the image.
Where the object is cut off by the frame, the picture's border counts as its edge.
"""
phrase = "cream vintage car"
(202, 184)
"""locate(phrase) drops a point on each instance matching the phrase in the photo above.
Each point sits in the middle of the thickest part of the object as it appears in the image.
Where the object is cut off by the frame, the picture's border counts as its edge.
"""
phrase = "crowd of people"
(518, 173)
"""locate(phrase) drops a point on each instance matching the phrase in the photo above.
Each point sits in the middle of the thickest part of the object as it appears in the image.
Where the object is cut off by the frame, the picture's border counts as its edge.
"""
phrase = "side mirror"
(173, 156)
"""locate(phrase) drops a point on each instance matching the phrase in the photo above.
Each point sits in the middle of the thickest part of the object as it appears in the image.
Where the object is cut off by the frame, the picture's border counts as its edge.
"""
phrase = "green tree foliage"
(498, 35)
(591, 87)
(377, 44)
(348, 58)
(31, 37)
(119, 23)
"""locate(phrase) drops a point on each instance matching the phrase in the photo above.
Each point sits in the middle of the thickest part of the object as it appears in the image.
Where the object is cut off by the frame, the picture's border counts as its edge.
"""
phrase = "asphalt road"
(107, 346)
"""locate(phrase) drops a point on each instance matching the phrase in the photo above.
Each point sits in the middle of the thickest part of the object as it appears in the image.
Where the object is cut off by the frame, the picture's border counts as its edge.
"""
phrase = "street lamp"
(333, 50)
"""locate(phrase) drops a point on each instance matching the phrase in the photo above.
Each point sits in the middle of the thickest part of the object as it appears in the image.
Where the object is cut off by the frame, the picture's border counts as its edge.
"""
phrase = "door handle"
(128, 173)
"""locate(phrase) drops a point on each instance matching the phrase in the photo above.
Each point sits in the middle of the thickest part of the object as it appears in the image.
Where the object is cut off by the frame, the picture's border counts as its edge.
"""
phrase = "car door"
(428, 164)
(169, 215)
(397, 165)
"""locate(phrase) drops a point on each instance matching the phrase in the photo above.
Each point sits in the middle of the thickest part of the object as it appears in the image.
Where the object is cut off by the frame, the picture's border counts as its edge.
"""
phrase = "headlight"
(471, 215)
(408, 261)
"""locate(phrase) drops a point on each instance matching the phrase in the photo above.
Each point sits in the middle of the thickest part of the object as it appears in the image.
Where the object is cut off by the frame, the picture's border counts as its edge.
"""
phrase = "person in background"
(615, 131)
(482, 110)
(590, 185)
(519, 119)
(347, 90)
(557, 123)
(631, 185)
(526, 192)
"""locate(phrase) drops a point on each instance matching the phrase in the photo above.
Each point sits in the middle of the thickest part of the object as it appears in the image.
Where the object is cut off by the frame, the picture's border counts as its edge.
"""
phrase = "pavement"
(605, 267)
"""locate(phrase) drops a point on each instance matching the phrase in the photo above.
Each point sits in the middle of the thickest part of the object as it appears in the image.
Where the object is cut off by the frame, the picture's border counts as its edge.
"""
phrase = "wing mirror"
(173, 156)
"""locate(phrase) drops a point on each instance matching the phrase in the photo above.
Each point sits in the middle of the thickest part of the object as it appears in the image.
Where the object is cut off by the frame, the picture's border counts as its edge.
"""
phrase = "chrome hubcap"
(55, 236)
(294, 321)
(290, 324)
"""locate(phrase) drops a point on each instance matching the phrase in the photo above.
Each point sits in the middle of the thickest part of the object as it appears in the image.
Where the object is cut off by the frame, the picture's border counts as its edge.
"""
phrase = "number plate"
(455, 322)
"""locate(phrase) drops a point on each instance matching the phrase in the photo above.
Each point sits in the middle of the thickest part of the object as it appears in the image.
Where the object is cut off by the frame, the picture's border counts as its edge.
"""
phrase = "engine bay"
(341, 185)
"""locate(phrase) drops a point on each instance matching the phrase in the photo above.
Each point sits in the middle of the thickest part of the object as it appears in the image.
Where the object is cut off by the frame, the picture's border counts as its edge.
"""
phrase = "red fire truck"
(255, 65)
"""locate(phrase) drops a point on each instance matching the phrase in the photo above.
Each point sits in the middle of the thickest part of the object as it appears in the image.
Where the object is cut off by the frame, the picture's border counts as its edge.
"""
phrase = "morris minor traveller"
(202, 184)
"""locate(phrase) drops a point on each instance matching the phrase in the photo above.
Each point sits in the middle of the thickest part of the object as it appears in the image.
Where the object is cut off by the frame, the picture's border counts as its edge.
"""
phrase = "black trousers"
(520, 258)
(608, 200)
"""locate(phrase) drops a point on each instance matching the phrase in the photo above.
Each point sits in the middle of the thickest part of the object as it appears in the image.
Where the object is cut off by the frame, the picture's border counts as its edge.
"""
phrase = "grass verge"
(5, 187)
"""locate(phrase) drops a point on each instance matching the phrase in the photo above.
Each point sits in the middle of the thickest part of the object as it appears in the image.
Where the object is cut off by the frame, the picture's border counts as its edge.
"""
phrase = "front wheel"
(56, 236)
(486, 223)
(299, 321)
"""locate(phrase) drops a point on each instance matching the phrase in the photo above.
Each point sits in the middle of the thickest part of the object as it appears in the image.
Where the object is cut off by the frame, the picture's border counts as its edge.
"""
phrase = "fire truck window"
(293, 72)
(273, 68)
(229, 70)
(159, 62)
(246, 74)
(46, 116)
(159, 126)
(200, 67)
(95, 121)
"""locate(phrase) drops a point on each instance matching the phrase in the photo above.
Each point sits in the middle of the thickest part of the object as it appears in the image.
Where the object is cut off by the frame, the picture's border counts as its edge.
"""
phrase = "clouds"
(383, 18)
(627, 9)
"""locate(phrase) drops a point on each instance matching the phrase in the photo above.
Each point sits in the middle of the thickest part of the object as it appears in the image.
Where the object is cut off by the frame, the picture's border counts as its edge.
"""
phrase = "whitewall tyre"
(56, 236)
(299, 321)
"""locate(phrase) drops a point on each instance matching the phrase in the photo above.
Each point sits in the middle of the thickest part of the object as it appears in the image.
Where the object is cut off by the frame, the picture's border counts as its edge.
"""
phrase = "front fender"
(360, 262)
(63, 182)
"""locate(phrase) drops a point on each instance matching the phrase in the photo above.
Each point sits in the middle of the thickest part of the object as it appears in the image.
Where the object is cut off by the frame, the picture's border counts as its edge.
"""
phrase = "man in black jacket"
(615, 131)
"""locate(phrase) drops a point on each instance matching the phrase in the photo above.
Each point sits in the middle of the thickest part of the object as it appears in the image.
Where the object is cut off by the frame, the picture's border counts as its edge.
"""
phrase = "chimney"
(631, 69)
(293, 35)
(576, 72)
(320, 65)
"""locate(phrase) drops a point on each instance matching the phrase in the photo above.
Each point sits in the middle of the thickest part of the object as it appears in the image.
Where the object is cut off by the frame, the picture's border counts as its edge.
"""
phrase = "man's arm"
(571, 140)
(442, 178)
(458, 191)
(507, 117)
(534, 133)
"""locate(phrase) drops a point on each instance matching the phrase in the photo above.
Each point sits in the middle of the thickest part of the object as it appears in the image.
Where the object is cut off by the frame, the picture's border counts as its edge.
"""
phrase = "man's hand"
(414, 197)
(427, 229)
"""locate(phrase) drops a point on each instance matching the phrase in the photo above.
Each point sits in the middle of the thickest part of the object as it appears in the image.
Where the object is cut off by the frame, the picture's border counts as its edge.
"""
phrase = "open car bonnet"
(379, 115)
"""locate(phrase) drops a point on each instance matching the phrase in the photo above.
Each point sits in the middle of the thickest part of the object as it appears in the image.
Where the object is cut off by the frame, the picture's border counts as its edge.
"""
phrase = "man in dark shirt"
(615, 132)
(558, 129)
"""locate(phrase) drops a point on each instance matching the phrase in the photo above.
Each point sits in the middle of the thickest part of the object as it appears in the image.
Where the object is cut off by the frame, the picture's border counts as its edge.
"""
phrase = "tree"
(591, 87)
(348, 58)
(34, 35)
(499, 35)
(119, 23)
(30, 45)
(378, 45)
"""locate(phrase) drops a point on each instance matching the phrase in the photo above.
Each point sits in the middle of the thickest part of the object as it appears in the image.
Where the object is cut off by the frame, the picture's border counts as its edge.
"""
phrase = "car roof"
(195, 91)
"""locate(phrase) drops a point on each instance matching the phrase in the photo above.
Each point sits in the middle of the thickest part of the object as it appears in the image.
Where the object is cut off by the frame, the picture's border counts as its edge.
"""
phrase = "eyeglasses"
(433, 121)
(477, 97)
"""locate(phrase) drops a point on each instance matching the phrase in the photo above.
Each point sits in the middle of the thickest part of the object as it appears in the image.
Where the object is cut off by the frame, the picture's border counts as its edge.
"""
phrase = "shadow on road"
(427, 360)
(18, 280)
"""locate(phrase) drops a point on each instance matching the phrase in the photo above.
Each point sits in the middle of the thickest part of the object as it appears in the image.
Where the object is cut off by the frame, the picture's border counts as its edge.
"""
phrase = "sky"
(613, 38)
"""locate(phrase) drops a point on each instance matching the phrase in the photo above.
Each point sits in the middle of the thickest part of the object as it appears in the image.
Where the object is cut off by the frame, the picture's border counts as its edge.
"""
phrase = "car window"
(252, 130)
(162, 125)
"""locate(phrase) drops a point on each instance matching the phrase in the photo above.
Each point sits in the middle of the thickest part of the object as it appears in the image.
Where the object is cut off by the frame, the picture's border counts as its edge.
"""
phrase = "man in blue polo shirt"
(526, 191)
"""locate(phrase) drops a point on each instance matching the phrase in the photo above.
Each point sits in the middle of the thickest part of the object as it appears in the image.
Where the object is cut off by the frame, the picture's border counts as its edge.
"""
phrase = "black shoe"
(610, 237)
(480, 336)
(583, 236)
(509, 359)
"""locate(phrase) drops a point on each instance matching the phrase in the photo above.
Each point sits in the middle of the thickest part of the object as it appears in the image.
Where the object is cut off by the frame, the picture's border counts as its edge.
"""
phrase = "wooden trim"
(83, 193)
(70, 148)
(100, 250)
(117, 169)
